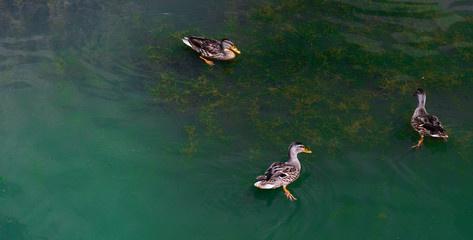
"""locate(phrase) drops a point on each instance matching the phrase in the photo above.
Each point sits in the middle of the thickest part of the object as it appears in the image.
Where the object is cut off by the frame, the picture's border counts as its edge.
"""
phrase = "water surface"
(111, 128)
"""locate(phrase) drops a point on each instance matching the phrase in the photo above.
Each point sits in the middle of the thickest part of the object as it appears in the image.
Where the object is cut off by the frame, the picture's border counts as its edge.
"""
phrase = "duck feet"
(419, 144)
(288, 194)
(207, 61)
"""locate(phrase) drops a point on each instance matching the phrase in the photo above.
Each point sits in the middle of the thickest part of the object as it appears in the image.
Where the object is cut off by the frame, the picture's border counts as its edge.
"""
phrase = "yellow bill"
(235, 50)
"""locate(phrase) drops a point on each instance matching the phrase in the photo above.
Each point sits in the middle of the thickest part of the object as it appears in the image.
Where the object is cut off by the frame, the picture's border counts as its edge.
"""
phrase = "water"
(111, 128)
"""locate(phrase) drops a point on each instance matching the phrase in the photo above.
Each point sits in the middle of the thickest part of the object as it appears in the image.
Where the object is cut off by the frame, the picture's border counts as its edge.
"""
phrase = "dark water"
(111, 128)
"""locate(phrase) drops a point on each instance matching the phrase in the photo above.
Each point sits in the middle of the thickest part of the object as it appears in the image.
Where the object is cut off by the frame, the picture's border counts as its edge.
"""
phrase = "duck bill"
(306, 150)
(235, 50)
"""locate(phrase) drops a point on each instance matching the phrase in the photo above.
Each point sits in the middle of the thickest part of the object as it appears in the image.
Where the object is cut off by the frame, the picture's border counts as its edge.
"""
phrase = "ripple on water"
(316, 192)
(235, 194)
(109, 60)
(17, 85)
(21, 50)
(411, 25)
(394, 6)
(417, 193)
(365, 43)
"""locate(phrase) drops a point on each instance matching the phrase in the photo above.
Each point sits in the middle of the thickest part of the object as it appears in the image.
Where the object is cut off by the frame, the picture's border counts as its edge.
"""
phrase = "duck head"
(228, 44)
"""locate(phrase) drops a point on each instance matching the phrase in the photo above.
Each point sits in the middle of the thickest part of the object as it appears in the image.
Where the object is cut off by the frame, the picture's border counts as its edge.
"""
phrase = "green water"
(111, 128)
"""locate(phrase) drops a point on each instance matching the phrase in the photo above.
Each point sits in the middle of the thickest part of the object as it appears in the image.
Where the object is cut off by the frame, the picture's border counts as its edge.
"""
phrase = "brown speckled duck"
(283, 173)
(210, 48)
(424, 123)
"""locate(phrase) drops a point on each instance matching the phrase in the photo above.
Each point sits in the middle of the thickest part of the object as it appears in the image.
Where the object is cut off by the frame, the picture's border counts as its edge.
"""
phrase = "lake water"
(112, 128)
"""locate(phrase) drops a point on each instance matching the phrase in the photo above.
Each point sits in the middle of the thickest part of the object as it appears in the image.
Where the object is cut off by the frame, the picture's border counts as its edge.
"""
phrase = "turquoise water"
(111, 128)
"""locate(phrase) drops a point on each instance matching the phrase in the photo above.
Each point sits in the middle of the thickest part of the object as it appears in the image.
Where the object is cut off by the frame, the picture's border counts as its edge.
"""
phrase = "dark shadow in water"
(268, 195)
(17, 85)
(11, 228)
(33, 18)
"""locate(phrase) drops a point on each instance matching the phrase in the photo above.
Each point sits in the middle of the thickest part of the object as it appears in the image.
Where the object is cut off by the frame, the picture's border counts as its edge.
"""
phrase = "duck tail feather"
(186, 41)
(261, 177)
(263, 185)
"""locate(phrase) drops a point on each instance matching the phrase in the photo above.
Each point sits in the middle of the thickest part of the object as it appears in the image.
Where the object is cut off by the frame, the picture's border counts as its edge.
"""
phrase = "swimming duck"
(220, 50)
(283, 173)
(424, 123)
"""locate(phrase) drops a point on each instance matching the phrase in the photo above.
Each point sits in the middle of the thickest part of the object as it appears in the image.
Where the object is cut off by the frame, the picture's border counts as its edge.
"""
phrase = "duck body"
(424, 123)
(428, 125)
(277, 175)
(283, 173)
(211, 48)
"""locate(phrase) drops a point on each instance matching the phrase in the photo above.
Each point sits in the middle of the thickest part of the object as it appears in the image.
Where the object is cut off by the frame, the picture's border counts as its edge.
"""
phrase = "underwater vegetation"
(332, 74)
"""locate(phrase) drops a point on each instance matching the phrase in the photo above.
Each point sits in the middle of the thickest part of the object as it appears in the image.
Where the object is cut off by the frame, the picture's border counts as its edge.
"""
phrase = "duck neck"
(229, 54)
(293, 160)
(422, 98)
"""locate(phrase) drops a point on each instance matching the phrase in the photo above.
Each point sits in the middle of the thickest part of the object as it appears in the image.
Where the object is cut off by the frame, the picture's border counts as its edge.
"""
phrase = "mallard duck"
(220, 50)
(424, 123)
(283, 173)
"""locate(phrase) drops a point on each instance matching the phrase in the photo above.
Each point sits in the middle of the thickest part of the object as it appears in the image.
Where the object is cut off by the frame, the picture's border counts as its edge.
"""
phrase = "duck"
(211, 48)
(283, 173)
(424, 123)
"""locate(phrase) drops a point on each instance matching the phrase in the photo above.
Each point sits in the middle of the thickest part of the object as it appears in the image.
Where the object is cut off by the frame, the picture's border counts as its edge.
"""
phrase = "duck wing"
(429, 124)
(277, 170)
(206, 47)
(434, 125)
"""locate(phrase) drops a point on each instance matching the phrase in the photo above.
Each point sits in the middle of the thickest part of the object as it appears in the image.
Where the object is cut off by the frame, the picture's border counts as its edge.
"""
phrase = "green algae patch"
(327, 73)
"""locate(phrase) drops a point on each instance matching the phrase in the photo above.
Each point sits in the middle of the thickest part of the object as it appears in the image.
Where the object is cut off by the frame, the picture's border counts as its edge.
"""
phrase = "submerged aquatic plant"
(328, 73)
